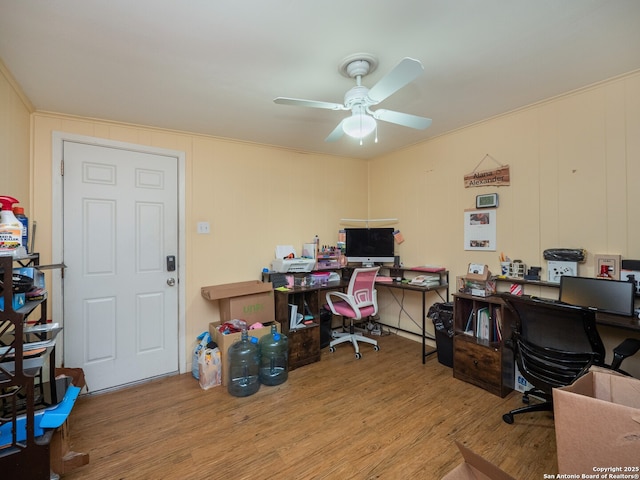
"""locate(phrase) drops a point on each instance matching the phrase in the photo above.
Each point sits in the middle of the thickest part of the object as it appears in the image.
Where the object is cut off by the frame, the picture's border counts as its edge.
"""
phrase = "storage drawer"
(478, 364)
(304, 346)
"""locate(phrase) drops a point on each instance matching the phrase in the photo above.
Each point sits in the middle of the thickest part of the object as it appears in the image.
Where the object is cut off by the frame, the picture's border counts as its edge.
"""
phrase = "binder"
(482, 327)
(293, 316)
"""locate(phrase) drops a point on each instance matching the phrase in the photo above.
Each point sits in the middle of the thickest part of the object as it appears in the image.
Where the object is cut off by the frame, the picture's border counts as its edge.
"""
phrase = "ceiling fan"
(360, 99)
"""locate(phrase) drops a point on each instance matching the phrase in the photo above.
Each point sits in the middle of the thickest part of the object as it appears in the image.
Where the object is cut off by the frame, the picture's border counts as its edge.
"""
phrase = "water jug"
(274, 358)
(244, 363)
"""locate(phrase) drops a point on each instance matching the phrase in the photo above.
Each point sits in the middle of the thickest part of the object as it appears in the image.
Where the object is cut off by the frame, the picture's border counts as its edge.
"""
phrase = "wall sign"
(488, 178)
(483, 178)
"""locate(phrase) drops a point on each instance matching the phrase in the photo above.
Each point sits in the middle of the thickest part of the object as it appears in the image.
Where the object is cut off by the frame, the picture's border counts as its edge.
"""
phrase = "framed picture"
(607, 266)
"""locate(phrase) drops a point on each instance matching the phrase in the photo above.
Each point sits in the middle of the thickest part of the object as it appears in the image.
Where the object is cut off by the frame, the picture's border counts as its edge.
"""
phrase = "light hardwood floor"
(385, 416)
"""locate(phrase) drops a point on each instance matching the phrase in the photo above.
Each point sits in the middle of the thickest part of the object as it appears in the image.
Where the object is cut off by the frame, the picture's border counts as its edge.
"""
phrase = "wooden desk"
(314, 297)
(304, 343)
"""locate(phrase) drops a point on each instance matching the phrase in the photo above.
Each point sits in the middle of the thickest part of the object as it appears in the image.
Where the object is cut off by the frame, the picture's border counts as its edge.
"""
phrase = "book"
(498, 321)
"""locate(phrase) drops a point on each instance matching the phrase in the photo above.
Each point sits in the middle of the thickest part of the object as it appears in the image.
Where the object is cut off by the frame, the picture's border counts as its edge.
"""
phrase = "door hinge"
(62, 168)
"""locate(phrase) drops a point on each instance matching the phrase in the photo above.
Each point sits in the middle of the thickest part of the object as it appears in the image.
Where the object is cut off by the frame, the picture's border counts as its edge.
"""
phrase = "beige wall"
(575, 171)
(14, 140)
(254, 197)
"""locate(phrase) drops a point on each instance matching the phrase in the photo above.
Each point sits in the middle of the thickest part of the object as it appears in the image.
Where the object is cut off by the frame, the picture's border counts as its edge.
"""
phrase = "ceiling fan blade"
(402, 74)
(336, 134)
(308, 103)
(404, 119)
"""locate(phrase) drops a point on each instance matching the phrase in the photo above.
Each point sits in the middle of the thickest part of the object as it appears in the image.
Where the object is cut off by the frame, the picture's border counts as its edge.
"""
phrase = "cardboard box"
(475, 467)
(251, 301)
(597, 422)
(478, 271)
(225, 341)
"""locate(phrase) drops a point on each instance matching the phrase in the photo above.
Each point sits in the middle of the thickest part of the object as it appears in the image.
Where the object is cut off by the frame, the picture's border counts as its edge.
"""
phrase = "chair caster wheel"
(508, 418)
(358, 355)
(376, 348)
(525, 399)
(332, 349)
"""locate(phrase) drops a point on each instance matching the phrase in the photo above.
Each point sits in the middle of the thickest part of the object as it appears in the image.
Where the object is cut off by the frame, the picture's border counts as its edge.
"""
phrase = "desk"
(611, 320)
(311, 297)
(618, 321)
(423, 290)
(314, 298)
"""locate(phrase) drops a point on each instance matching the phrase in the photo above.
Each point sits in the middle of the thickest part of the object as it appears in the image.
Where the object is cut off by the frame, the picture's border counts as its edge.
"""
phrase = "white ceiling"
(215, 66)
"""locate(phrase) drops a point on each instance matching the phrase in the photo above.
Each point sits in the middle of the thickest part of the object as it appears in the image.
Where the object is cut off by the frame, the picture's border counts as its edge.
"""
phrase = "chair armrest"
(627, 348)
(345, 298)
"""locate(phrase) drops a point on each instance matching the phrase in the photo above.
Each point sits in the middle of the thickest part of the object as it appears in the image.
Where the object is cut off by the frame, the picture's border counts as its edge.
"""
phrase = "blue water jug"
(244, 363)
(274, 358)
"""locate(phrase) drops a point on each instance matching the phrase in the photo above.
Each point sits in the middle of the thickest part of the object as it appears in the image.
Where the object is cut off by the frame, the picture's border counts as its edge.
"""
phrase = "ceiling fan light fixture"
(359, 125)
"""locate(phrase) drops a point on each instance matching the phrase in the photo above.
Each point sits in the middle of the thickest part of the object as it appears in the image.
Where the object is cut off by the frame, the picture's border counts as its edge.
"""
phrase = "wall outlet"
(203, 227)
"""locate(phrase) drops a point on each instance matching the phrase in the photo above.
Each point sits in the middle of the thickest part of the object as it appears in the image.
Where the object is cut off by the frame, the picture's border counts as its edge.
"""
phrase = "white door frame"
(58, 139)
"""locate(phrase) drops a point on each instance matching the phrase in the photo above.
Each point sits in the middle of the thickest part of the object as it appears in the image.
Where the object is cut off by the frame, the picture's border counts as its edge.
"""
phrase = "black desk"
(618, 321)
(314, 297)
(423, 291)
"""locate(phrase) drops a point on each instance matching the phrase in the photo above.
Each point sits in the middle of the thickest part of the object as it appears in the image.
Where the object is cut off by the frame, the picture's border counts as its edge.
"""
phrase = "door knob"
(171, 282)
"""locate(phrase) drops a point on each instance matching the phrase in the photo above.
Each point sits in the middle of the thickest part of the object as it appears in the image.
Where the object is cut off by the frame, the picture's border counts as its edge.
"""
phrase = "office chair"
(359, 302)
(555, 344)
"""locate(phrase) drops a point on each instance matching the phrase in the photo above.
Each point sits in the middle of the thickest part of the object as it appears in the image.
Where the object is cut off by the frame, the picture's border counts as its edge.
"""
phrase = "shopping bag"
(209, 367)
(204, 338)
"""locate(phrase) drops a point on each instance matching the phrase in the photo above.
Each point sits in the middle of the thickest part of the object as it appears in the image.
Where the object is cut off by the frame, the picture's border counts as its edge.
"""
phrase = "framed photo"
(607, 266)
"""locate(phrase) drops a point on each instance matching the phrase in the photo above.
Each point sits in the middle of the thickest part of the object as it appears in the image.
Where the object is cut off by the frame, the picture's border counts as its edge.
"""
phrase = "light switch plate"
(203, 227)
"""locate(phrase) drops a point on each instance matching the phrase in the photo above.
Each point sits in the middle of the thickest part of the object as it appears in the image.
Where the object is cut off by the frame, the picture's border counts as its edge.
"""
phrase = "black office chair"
(555, 344)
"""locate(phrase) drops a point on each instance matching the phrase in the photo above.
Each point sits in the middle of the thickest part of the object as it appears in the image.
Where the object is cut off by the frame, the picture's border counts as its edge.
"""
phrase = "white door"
(120, 293)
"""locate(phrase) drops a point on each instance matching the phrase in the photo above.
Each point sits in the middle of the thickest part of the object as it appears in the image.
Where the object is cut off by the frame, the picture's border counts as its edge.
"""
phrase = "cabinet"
(480, 356)
(23, 352)
(304, 343)
(304, 346)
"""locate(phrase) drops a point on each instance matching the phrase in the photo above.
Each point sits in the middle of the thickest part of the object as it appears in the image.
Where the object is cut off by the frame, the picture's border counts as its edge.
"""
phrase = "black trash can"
(442, 316)
(325, 327)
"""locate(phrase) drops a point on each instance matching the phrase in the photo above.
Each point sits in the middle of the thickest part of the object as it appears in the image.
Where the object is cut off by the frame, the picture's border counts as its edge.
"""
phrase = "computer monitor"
(611, 296)
(369, 245)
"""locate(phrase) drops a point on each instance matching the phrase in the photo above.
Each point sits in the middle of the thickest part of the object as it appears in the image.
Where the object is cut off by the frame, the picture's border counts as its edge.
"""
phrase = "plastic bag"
(565, 254)
(209, 367)
(204, 338)
(442, 316)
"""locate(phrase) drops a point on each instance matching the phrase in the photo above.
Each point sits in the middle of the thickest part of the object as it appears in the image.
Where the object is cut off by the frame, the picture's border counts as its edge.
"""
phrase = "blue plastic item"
(52, 417)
